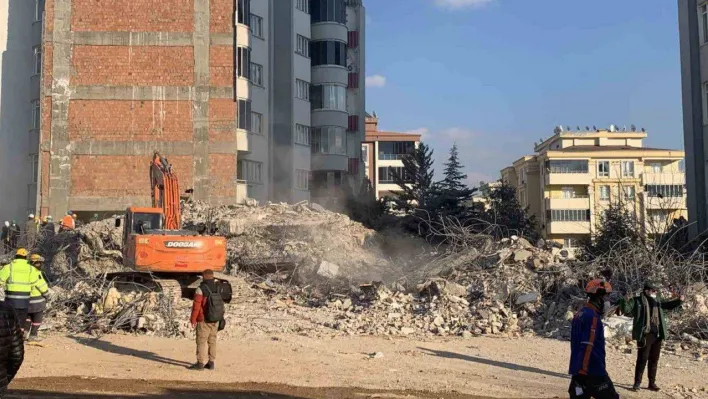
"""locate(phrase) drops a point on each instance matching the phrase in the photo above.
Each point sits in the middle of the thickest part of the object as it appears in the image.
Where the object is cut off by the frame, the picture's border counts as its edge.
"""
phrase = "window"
(328, 11)
(244, 114)
(302, 179)
(302, 46)
(388, 174)
(257, 74)
(243, 66)
(603, 168)
(394, 150)
(250, 171)
(244, 12)
(256, 123)
(654, 167)
(303, 5)
(570, 243)
(34, 164)
(570, 215)
(567, 166)
(705, 103)
(629, 192)
(38, 10)
(664, 190)
(36, 114)
(329, 140)
(365, 153)
(703, 12)
(568, 192)
(302, 134)
(604, 193)
(328, 96)
(257, 26)
(328, 52)
(302, 90)
(627, 168)
(37, 62)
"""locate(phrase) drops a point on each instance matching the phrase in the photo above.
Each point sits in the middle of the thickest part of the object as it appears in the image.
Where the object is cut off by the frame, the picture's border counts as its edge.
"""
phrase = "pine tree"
(416, 180)
(506, 213)
(617, 229)
(454, 193)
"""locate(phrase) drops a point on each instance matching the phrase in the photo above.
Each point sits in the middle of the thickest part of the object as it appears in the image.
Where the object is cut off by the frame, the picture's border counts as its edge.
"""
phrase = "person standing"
(649, 329)
(207, 314)
(18, 278)
(5, 236)
(12, 350)
(14, 235)
(68, 222)
(587, 346)
(32, 230)
(37, 302)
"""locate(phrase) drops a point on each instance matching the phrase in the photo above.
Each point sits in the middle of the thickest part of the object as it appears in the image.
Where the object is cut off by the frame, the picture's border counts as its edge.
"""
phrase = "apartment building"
(574, 176)
(693, 34)
(248, 99)
(382, 153)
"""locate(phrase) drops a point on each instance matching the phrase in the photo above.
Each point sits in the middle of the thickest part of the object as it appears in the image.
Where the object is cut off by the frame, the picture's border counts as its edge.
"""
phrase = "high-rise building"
(693, 33)
(259, 99)
(575, 175)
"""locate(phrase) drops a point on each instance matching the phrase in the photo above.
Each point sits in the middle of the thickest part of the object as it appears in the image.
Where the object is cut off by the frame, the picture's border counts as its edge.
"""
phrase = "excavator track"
(171, 289)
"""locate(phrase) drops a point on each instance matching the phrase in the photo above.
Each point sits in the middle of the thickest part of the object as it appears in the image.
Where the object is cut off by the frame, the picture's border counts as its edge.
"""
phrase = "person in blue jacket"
(587, 346)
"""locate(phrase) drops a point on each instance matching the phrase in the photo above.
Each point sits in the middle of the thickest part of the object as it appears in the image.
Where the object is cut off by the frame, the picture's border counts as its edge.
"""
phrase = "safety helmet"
(36, 258)
(21, 252)
(69, 212)
(49, 217)
(30, 216)
(73, 216)
(598, 287)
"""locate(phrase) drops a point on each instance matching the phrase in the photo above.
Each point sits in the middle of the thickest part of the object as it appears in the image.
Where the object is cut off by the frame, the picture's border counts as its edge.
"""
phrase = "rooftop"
(603, 148)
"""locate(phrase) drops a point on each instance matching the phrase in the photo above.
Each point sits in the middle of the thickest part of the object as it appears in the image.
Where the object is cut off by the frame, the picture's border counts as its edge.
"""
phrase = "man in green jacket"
(649, 329)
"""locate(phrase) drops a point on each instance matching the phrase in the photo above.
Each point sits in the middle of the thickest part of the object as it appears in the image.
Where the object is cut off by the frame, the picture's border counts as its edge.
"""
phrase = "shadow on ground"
(96, 343)
(169, 393)
(495, 363)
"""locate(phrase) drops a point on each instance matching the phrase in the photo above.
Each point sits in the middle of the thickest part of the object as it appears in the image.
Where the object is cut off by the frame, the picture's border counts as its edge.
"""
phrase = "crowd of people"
(12, 234)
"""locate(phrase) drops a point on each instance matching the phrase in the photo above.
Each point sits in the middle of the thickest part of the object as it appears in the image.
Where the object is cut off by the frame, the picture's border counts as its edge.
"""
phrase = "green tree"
(617, 229)
(364, 207)
(454, 194)
(417, 189)
(506, 214)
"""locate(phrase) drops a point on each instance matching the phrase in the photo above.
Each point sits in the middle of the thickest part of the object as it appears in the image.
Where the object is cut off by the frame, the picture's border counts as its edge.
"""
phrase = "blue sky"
(497, 75)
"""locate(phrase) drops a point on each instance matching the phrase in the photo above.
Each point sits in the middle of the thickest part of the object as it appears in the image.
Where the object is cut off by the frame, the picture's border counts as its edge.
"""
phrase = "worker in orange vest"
(68, 222)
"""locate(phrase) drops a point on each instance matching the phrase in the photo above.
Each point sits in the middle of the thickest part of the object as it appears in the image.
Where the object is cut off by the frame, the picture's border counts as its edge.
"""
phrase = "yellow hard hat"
(21, 252)
(36, 258)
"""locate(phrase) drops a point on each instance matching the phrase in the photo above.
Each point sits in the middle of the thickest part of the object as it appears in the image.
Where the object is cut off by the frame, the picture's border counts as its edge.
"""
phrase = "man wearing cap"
(37, 302)
(649, 329)
(18, 278)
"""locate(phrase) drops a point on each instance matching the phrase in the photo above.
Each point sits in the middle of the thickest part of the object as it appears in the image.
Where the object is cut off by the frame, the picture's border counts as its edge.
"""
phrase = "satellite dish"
(587, 128)
(577, 128)
(558, 129)
(634, 128)
(612, 128)
(624, 128)
(594, 128)
(644, 130)
(567, 128)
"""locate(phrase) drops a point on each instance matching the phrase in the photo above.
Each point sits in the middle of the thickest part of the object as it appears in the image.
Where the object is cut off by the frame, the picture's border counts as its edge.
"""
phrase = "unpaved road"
(294, 367)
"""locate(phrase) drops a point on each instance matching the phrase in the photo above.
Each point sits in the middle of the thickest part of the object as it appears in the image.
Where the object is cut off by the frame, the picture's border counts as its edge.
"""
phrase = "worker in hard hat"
(67, 222)
(18, 278)
(32, 229)
(47, 228)
(15, 233)
(77, 222)
(37, 302)
(587, 346)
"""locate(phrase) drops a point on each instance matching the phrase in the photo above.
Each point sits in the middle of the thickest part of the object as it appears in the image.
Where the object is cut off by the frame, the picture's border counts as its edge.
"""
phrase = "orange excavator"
(162, 254)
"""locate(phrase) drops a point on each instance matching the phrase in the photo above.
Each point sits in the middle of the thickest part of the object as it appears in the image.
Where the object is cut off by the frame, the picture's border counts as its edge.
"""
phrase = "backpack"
(214, 310)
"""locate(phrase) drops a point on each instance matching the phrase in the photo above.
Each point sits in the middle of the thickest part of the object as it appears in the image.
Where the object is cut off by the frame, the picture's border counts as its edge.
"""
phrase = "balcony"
(242, 140)
(568, 227)
(568, 179)
(664, 178)
(577, 202)
(666, 203)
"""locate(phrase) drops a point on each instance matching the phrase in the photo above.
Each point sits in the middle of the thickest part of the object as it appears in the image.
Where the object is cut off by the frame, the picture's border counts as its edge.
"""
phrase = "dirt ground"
(299, 367)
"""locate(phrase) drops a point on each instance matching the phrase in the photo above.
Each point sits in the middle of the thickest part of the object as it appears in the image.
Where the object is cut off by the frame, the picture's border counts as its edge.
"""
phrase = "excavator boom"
(165, 191)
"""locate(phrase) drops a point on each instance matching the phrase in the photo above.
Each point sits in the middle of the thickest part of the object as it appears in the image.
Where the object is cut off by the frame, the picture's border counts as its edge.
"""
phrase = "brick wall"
(221, 66)
(222, 119)
(133, 15)
(132, 66)
(120, 176)
(222, 172)
(117, 120)
(221, 14)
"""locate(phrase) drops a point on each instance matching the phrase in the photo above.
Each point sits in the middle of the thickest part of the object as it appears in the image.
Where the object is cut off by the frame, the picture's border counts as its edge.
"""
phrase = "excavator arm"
(165, 191)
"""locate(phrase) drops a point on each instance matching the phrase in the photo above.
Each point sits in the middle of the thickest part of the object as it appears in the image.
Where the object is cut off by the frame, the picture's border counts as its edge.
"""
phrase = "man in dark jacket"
(12, 350)
(587, 346)
(14, 235)
(5, 236)
(649, 330)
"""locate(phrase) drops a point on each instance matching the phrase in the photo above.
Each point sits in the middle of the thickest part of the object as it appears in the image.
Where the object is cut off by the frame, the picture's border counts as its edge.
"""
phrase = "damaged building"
(247, 99)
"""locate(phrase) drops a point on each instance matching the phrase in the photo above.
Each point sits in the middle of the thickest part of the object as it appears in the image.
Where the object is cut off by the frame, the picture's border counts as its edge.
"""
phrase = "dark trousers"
(33, 322)
(648, 350)
(586, 387)
(21, 317)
